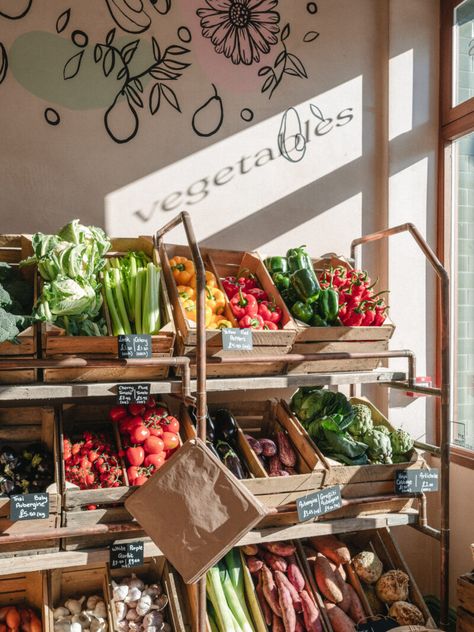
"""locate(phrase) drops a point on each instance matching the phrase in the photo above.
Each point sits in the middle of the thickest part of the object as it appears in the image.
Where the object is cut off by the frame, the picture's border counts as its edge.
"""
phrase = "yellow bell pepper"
(190, 312)
(215, 299)
(183, 270)
(210, 280)
(222, 323)
(186, 293)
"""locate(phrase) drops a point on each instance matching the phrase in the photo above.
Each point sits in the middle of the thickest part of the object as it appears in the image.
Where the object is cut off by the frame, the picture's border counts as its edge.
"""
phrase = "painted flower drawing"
(240, 29)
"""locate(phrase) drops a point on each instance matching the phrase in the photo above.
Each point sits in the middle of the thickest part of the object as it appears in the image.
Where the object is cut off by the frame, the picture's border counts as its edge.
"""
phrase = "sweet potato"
(310, 553)
(332, 548)
(275, 562)
(345, 604)
(254, 564)
(288, 613)
(295, 598)
(339, 620)
(266, 610)
(326, 580)
(284, 549)
(285, 450)
(299, 624)
(250, 549)
(311, 614)
(356, 610)
(339, 569)
(270, 590)
(294, 574)
(277, 625)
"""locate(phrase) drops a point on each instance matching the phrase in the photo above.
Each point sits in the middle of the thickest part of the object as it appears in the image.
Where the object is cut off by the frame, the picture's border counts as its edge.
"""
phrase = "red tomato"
(132, 473)
(151, 403)
(156, 431)
(140, 480)
(139, 434)
(153, 445)
(136, 409)
(171, 441)
(170, 424)
(156, 460)
(161, 410)
(116, 413)
(135, 455)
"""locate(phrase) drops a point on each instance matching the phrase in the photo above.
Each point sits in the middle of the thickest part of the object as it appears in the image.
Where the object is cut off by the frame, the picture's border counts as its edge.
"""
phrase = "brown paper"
(194, 509)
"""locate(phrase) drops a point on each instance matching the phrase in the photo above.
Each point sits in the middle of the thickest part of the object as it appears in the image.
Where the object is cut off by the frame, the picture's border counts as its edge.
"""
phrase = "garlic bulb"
(92, 601)
(60, 613)
(133, 626)
(75, 627)
(100, 610)
(123, 626)
(154, 590)
(120, 592)
(134, 594)
(83, 619)
(120, 610)
(99, 624)
(132, 615)
(153, 618)
(62, 626)
(136, 582)
(144, 605)
(161, 602)
(74, 605)
(166, 627)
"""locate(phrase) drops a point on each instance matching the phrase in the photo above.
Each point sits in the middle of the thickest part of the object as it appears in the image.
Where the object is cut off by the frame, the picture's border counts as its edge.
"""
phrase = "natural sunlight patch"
(400, 94)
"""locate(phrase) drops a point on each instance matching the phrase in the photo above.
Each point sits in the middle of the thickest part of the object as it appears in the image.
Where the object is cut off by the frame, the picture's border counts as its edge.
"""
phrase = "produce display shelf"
(51, 392)
(64, 559)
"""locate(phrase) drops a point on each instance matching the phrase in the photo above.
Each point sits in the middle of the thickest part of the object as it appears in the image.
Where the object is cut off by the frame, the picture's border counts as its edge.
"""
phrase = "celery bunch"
(132, 294)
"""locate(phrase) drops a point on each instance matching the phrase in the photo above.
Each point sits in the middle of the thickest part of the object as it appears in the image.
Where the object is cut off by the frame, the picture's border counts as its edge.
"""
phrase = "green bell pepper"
(306, 285)
(302, 311)
(317, 321)
(328, 304)
(281, 280)
(276, 264)
(299, 259)
(289, 296)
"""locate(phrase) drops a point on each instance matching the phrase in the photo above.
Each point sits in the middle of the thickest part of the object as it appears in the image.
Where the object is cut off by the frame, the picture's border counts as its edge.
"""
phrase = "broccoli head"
(402, 442)
(379, 446)
(362, 421)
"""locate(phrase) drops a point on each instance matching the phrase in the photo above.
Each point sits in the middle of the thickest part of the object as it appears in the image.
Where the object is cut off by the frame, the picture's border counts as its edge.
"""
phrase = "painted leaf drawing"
(169, 94)
(154, 99)
(128, 51)
(62, 21)
(73, 66)
(310, 36)
(3, 62)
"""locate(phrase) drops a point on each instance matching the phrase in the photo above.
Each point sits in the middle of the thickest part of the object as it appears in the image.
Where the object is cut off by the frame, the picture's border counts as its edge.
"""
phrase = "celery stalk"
(131, 281)
(138, 300)
(147, 281)
(151, 307)
(236, 575)
(216, 595)
(233, 600)
(117, 327)
(120, 300)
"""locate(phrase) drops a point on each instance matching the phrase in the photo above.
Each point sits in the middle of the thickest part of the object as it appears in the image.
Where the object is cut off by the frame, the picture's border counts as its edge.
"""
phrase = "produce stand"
(194, 391)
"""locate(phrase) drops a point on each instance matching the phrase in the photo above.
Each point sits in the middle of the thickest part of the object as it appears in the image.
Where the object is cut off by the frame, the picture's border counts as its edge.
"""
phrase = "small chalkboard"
(319, 503)
(127, 554)
(134, 346)
(416, 481)
(381, 624)
(237, 339)
(29, 507)
(132, 394)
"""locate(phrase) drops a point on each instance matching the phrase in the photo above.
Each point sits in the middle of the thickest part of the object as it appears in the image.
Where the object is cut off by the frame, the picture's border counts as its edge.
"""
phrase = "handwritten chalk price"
(237, 339)
(416, 481)
(134, 346)
(29, 507)
(319, 503)
(126, 554)
(132, 394)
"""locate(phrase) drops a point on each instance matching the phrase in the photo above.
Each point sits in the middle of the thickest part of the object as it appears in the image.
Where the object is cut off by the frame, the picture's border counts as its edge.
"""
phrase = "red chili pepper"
(243, 305)
(380, 314)
(230, 285)
(251, 322)
(369, 316)
(268, 324)
(270, 311)
(116, 413)
(343, 312)
(259, 294)
(355, 318)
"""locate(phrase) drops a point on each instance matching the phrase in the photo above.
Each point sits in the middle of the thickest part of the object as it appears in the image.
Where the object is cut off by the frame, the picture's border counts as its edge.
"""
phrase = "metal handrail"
(445, 394)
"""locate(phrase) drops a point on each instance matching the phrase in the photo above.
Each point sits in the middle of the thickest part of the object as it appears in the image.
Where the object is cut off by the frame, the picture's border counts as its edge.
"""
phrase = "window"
(463, 40)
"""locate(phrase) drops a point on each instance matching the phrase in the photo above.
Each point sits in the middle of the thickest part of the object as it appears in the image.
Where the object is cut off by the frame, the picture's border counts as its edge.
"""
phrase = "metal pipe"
(422, 513)
(445, 388)
(427, 447)
(69, 532)
(429, 531)
(416, 388)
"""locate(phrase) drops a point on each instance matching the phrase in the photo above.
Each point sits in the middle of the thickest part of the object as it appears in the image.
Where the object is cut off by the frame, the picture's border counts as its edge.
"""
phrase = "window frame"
(455, 121)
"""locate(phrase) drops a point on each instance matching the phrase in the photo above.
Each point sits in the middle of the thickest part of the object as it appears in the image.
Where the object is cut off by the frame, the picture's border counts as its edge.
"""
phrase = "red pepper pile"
(92, 462)
(250, 304)
(359, 305)
(149, 437)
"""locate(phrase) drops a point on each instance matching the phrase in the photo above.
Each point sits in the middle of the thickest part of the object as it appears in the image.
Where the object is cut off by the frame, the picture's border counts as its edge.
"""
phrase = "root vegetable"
(406, 613)
(134, 594)
(254, 564)
(84, 619)
(288, 613)
(326, 580)
(299, 624)
(92, 601)
(295, 598)
(98, 624)
(294, 574)
(268, 447)
(356, 610)
(13, 618)
(74, 605)
(311, 614)
(368, 566)
(100, 610)
(285, 450)
(275, 562)
(132, 615)
(277, 624)
(392, 586)
(250, 549)
(267, 611)
(310, 553)
(136, 582)
(153, 618)
(280, 548)
(338, 618)
(270, 590)
(339, 570)
(144, 605)
(332, 548)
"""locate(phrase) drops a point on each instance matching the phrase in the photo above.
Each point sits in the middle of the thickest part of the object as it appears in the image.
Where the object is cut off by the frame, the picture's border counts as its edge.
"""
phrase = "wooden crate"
(262, 419)
(155, 570)
(65, 583)
(339, 339)
(27, 346)
(464, 620)
(465, 593)
(381, 542)
(55, 344)
(20, 427)
(26, 589)
(222, 263)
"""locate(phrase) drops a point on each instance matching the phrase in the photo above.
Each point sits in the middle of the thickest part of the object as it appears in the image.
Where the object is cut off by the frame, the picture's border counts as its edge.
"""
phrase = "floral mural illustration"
(241, 30)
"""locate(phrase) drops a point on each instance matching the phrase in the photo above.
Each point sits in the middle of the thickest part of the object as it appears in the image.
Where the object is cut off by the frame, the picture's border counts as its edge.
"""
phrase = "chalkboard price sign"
(134, 346)
(381, 624)
(29, 507)
(416, 481)
(237, 339)
(126, 554)
(319, 503)
(132, 394)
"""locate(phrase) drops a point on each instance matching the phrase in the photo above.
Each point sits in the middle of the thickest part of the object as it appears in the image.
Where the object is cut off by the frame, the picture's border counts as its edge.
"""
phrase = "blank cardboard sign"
(194, 509)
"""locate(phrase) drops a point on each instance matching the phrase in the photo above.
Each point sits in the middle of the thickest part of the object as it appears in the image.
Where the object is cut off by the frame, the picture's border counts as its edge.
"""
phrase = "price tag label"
(237, 339)
(127, 554)
(415, 481)
(29, 507)
(134, 346)
(132, 394)
(381, 624)
(319, 503)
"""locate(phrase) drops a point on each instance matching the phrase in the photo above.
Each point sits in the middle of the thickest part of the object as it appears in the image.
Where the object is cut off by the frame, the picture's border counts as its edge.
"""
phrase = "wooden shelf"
(52, 392)
(65, 559)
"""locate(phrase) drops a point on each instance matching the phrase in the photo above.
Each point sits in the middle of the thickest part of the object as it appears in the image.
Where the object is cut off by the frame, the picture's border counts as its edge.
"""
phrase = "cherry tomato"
(170, 440)
(116, 413)
(170, 424)
(139, 434)
(132, 473)
(136, 409)
(140, 480)
(156, 460)
(153, 445)
(135, 455)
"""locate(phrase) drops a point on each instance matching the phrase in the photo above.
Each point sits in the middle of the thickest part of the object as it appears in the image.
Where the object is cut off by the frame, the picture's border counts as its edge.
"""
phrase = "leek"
(216, 595)
(233, 563)
(233, 600)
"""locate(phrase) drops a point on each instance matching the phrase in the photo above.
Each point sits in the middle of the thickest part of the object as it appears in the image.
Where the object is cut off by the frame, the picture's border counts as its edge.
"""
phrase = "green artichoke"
(380, 447)
(383, 429)
(402, 442)
(362, 421)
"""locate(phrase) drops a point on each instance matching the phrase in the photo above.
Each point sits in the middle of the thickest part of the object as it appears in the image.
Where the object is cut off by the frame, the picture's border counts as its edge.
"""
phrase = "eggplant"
(210, 431)
(7, 455)
(226, 426)
(212, 448)
(230, 459)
